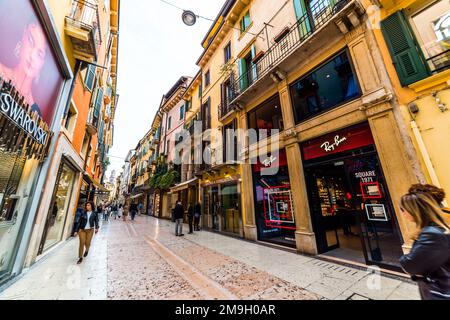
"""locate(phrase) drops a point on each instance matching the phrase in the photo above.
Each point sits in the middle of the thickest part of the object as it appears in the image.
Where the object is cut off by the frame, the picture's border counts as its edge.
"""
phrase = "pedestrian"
(85, 229)
(76, 219)
(133, 210)
(428, 262)
(197, 215)
(120, 210)
(114, 211)
(178, 216)
(126, 211)
(140, 208)
(437, 193)
(190, 218)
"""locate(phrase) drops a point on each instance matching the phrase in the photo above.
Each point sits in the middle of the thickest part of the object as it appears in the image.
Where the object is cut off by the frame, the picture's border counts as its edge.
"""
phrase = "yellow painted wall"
(433, 124)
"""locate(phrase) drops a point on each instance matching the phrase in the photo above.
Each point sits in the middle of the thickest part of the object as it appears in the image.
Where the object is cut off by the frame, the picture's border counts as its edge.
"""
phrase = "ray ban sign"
(331, 146)
(12, 109)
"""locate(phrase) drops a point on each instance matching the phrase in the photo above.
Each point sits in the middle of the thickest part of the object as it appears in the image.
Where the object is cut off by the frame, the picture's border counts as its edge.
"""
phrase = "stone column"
(247, 194)
(378, 104)
(304, 235)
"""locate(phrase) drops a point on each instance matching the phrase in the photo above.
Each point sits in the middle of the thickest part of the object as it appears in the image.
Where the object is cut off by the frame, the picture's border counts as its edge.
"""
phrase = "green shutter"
(301, 14)
(90, 77)
(243, 82)
(254, 70)
(98, 103)
(406, 55)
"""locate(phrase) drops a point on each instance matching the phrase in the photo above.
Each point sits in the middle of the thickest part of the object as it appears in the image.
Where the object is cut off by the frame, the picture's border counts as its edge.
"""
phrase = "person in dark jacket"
(428, 262)
(133, 210)
(76, 220)
(197, 215)
(191, 219)
(89, 224)
(178, 213)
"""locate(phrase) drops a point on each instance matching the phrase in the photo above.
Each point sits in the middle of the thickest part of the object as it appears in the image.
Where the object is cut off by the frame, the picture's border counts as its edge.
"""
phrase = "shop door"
(352, 212)
(230, 209)
(378, 224)
(57, 215)
(215, 208)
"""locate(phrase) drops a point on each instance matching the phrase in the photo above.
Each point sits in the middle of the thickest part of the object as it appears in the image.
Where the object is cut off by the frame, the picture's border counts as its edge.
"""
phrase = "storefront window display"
(351, 210)
(274, 210)
(56, 218)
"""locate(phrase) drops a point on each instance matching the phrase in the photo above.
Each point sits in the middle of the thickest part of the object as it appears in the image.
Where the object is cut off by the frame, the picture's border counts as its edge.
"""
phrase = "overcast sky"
(155, 50)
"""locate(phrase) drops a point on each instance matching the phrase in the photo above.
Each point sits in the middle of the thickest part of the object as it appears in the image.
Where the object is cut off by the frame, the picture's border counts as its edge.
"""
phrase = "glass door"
(379, 228)
(231, 219)
(59, 207)
(215, 209)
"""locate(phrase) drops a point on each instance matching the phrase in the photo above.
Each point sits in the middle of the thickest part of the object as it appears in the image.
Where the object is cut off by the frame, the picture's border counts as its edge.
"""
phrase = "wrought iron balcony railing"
(84, 16)
(317, 16)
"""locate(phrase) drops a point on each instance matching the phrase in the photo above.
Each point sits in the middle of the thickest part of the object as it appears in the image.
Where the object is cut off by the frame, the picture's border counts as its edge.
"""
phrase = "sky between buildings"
(155, 49)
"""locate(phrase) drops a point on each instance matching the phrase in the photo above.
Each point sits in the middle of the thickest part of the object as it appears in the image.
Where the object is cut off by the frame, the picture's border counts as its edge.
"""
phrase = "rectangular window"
(267, 117)
(245, 22)
(207, 79)
(431, 27)
(90, 77)
(227, 52)
(169, 123)
(182, 108)
(326, 87)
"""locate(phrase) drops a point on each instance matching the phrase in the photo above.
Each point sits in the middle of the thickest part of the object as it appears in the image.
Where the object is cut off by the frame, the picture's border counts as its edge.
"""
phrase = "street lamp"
(189, 18)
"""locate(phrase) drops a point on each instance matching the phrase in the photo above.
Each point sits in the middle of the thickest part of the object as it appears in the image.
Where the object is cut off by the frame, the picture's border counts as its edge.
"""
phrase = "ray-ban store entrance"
(352, 213)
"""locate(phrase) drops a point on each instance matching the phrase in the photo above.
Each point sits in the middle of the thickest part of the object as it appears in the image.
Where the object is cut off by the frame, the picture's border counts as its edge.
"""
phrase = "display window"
(351, 211)
(274, 209)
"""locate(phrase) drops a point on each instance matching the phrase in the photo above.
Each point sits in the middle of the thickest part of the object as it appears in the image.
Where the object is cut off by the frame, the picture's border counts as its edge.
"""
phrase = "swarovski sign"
(15, 112)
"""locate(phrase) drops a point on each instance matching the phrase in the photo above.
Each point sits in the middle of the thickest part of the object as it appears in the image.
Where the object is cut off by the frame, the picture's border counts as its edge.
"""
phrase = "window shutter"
(98, 102)
(254, 70)
(90, 76)
(300, 13)
(407, 57)
(243, 82)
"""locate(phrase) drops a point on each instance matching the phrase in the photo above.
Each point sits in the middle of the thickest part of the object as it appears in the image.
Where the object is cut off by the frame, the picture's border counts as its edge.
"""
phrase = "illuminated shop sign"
(28, 121)
(344, 140)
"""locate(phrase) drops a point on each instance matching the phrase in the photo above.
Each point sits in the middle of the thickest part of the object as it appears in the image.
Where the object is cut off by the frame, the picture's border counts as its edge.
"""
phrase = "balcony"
(321, 25)
(199, 169)
(92, 123)
(227, 111)
(83, 28)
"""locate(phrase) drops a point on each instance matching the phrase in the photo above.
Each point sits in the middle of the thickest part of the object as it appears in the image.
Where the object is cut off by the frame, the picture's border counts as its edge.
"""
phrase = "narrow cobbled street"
(142, 259)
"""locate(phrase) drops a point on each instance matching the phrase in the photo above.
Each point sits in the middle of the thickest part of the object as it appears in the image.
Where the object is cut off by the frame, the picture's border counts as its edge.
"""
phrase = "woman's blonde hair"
(424, 210)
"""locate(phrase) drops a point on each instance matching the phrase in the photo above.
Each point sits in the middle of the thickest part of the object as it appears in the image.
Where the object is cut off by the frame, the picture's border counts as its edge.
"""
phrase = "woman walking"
(429, 260)
(126, 211)
(85, 229)
(120, 211)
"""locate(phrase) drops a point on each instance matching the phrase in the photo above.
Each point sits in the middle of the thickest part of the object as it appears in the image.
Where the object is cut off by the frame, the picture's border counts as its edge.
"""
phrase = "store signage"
(25, 120)
(331, 146)
(366, 176)
(269, 161)
(344, 140)
(376, 212)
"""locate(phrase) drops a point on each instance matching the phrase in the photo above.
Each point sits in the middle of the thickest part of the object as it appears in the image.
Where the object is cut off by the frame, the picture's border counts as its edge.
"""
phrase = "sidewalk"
(144, 260)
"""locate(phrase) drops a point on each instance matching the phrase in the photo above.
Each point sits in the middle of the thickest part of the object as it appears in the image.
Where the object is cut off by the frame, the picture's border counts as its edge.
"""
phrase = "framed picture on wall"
(371, 190)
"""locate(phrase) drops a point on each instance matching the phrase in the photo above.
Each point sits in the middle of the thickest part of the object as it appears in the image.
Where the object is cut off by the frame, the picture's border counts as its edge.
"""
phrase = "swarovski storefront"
(33, 80)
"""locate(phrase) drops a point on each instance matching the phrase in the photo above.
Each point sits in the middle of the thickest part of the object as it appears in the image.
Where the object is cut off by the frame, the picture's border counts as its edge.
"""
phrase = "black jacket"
(83, 221)
(429, 263)
(198, 209)
(178, 211)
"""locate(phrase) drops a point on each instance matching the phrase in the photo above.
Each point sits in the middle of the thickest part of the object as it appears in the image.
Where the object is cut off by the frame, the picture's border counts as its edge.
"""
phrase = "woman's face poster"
(27, 59)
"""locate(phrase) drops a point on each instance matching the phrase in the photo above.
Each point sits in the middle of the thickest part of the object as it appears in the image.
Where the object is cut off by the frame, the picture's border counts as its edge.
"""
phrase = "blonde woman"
(126, 210)
(429, 260)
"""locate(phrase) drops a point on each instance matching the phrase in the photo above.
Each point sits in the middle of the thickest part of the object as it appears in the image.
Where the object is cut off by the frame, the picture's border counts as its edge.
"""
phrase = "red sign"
(271, 161)
(339, 141)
